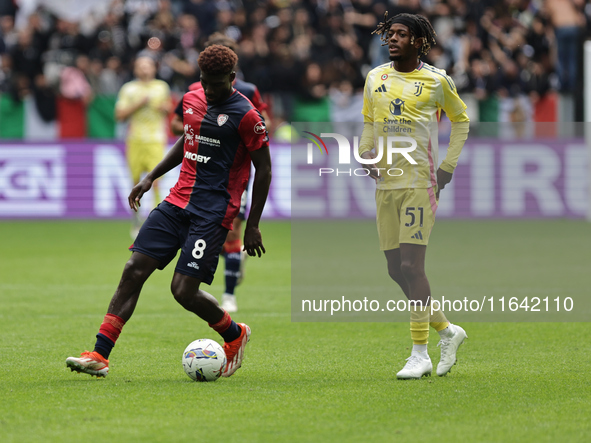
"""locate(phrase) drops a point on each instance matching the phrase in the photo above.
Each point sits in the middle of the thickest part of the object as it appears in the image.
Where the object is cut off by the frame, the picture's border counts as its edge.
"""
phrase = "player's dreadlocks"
(418, 25)
(217, 60)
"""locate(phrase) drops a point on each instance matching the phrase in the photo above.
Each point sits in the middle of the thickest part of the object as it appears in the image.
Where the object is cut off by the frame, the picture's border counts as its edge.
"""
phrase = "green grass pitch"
(300, 381)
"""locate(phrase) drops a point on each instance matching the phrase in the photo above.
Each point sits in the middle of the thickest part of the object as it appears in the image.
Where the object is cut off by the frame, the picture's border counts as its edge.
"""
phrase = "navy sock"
(232, 271)
(103, 345)
(232, 333)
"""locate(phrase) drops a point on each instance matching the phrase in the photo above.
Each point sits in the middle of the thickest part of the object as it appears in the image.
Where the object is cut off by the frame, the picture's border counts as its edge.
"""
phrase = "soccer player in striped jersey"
(223, 133)
(404, 99)
(234, 256)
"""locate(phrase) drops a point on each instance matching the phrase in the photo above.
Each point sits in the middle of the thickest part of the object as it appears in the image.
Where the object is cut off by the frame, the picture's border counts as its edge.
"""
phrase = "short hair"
(217, 60)
(420, 28)
(217, 38)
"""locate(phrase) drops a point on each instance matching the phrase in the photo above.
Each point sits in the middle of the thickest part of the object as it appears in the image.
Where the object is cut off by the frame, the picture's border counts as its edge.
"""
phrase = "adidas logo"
(381, 88)
(189, 111)
(418, 236)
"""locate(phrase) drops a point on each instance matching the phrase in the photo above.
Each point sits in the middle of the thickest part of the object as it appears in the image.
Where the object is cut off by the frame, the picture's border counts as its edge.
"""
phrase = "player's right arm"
(366, 144)
(176, 124)
(172, 159)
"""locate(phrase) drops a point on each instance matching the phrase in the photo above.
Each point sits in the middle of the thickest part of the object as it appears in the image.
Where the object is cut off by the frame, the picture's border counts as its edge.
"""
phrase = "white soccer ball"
(204, 360)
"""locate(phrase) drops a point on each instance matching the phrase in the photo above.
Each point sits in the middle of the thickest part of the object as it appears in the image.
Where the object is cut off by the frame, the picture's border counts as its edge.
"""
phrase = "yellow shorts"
(405, 216)
(143, 157)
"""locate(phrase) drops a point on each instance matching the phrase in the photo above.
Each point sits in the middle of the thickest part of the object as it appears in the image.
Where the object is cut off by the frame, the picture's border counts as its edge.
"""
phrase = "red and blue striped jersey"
(216, 163)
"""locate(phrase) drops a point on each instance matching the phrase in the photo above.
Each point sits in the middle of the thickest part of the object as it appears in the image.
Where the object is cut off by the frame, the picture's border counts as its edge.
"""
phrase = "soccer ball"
(204, 360)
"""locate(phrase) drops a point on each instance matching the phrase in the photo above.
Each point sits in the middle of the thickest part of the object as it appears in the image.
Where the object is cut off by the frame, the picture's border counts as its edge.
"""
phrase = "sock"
(232, 271)
(227, 328)
(438, 321)
(108, 334)
(422, 349)
(448, 332)
(419, 325)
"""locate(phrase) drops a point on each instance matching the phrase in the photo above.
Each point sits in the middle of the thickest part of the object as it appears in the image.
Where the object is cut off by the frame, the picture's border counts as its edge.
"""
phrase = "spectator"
(74, 82)
(567, 21)
(498, 49)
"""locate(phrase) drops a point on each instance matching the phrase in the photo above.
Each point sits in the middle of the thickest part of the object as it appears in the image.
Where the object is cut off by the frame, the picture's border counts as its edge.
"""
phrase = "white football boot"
(416, 366)
(449, 347)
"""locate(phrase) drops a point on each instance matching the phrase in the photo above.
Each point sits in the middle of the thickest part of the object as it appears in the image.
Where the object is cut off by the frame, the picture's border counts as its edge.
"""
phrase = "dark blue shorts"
(169, 228)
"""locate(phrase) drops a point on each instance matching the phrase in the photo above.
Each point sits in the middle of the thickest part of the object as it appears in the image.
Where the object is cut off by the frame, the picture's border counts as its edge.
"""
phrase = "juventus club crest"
(222, 118)
(419, 88)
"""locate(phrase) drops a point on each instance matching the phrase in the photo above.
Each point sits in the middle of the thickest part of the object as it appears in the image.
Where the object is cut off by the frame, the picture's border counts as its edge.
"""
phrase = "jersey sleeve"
(258, 102)
(195, 86)
(179, 108)
(253, 131)
(455, 109)
(367, 109)
(449, 100)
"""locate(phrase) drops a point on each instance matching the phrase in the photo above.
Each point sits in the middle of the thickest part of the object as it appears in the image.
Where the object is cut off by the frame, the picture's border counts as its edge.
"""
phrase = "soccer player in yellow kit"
(146, 103)
(404, 99)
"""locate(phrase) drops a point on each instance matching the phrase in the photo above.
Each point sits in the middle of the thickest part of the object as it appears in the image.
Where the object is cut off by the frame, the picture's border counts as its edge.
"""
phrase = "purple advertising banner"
(81, 180)
(494, 178)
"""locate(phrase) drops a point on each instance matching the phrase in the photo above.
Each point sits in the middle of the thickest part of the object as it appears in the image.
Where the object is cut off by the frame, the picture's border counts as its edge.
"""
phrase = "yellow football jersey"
(147, 124)
(405, 107)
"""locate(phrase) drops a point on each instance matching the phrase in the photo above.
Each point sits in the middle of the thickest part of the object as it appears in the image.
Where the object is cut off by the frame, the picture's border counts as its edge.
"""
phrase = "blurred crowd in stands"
(309, 58)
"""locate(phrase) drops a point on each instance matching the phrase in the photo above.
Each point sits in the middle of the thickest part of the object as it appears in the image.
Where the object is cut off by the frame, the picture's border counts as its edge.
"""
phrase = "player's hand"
(372, 168)
(138, 192)
(443, 178)
(253, 242)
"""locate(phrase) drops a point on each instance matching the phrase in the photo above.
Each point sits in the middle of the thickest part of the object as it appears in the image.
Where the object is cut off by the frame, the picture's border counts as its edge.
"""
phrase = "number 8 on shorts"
(199, 249)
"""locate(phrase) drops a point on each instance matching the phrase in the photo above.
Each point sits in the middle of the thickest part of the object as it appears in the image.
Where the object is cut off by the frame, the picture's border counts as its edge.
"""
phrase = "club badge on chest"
(222, 118)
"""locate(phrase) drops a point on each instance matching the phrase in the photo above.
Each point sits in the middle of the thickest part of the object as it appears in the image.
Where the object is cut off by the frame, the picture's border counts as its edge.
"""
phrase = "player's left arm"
(455, 109)
(176, 124)
(261, 159)
(255, 137)
(367, 144)
(258, 102)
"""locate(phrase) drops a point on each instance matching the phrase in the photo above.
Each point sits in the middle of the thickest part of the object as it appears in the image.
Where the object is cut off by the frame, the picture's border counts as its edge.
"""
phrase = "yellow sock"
(419, 325)
(438, 321)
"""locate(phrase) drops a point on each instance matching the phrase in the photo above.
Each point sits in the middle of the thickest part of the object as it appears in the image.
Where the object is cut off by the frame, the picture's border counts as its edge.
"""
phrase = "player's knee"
(410, 270)
(395, 273)
(179, 291)
(184, 293)
(134, 271)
